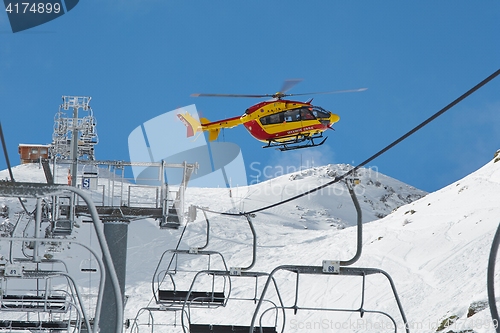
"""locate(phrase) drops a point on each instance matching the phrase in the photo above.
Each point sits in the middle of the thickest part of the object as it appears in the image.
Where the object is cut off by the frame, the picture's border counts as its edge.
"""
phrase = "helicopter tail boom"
(213, 128)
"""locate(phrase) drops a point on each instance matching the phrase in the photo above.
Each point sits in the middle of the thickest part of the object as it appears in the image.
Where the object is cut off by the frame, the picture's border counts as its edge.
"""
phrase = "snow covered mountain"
(434, 248)
(329, 207)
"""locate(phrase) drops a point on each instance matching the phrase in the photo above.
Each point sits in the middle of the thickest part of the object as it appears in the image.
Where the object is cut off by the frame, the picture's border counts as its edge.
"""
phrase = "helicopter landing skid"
(296, 143)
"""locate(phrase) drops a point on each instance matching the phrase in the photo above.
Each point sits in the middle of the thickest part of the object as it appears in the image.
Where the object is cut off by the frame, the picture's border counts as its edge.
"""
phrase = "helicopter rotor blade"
(329, 92)
(231, 95)
(289, 84)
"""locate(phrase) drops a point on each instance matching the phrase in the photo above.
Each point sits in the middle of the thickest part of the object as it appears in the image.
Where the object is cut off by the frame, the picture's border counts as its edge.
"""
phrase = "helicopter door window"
(292, 115)
(305, 114)
(272, 119)
(275, 119)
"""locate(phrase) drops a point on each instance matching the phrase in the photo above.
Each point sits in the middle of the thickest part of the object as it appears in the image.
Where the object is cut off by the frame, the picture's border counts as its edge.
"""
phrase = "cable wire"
(4, 147)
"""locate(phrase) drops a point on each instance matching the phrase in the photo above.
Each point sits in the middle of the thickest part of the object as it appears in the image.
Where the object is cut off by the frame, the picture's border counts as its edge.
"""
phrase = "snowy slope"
(435, 249)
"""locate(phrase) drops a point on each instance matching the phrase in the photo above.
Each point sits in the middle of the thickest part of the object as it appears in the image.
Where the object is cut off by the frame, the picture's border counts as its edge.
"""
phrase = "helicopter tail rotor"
(192, 125)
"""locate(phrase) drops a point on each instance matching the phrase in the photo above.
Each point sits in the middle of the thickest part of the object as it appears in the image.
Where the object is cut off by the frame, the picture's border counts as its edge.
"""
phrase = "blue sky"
(139, 59)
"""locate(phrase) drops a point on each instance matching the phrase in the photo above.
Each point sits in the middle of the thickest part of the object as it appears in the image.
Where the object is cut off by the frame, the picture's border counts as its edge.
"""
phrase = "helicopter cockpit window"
(320, 113)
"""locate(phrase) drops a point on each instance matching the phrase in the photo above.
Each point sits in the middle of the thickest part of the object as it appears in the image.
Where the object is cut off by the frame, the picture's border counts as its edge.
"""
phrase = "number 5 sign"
(26, 14)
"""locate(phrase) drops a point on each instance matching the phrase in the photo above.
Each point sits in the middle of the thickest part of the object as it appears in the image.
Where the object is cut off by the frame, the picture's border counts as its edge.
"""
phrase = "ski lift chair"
(363, 273)
(25, 292)
(176, 296)
(172, 322)
(222, 328)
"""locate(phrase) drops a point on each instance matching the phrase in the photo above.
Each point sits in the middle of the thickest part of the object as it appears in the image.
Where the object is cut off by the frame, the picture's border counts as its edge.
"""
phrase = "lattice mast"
(74, 137)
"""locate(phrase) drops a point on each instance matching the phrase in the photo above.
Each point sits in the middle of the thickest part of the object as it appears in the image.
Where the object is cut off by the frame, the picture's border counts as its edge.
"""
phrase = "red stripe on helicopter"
(221, 122)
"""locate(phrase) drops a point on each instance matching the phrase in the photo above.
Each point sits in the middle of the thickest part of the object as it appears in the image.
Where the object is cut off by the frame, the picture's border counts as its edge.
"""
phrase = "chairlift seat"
(62, 227)
(24, 325)
(178, 296)
(91, 270)
(207, 328)
(56, 303)
(34, 297)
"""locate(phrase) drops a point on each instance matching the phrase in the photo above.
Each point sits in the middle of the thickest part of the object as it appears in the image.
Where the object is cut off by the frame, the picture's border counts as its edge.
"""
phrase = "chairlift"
(174, 274)
(333, 268)
(320, 270)
(169, 312)
(188, 306)
(55, 309)
(233, 274)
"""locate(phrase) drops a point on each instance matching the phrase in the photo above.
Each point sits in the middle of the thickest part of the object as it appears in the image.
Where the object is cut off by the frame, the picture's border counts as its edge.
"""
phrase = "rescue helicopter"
(281, 123)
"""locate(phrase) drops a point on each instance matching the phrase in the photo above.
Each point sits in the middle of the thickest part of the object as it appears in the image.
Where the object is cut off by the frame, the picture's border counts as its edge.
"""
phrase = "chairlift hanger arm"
(359, 223)
(318, 270)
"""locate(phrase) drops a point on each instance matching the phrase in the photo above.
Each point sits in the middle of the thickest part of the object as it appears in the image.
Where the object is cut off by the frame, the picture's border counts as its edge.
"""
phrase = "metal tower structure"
(74, 137)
